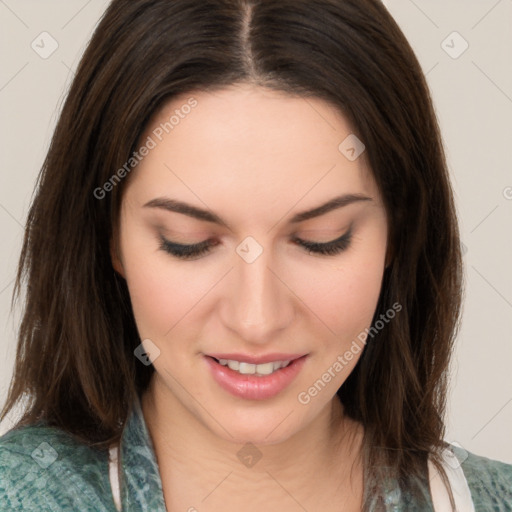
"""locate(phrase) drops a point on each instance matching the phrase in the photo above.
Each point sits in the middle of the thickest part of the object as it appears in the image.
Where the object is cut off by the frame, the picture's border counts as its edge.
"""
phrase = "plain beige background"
(464, 47)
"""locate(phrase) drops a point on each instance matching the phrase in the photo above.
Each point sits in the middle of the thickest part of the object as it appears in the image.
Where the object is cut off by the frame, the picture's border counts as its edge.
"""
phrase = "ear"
(116, 257)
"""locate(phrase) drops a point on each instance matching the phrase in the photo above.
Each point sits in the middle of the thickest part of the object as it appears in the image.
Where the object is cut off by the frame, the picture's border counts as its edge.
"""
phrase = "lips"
(255, 387)
(247, 358)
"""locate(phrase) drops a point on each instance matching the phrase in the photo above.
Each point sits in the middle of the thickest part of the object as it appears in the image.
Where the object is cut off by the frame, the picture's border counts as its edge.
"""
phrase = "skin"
(255, 157)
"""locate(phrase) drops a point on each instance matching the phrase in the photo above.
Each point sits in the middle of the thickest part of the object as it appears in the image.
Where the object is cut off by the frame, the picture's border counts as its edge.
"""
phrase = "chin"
(255, 426)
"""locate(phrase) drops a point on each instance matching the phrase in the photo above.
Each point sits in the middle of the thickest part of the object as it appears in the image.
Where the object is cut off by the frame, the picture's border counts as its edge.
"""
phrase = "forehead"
(259, 143)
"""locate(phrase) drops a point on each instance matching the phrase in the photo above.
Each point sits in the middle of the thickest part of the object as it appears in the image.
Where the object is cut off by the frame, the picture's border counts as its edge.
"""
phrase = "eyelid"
(208, 242)
(186, 250)
(345, 234)
(313, 246)
(195, 251)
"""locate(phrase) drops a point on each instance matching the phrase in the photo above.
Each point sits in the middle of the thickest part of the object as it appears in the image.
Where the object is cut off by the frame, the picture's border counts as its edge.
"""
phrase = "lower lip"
(252, 387)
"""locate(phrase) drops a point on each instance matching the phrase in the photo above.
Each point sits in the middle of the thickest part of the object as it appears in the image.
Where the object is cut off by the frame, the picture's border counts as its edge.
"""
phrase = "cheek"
(346, 292)
(161, 290)
(152, 300)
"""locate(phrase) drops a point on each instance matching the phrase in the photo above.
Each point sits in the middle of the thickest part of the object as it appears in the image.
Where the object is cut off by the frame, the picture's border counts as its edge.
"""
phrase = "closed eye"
(327, 248)
(195, 251)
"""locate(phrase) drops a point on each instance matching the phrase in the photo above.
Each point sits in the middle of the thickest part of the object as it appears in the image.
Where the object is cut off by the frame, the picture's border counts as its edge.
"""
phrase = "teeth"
(263, 369)
(234, 365)
(254, 369)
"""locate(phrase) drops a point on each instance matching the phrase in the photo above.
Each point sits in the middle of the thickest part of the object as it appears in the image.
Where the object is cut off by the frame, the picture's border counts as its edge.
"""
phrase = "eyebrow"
(173, 205)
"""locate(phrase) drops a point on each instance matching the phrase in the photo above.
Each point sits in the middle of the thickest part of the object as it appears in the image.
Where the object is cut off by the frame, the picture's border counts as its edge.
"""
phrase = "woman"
(244, 273)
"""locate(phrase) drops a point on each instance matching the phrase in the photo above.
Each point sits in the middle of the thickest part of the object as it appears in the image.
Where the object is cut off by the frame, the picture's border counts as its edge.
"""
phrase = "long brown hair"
(75, 357)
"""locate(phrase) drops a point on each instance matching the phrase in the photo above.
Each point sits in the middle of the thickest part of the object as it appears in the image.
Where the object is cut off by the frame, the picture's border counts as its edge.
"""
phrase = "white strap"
(458, 483)
(113, 473)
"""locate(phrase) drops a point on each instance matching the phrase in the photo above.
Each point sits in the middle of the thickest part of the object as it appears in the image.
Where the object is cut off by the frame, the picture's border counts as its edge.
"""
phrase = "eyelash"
(189, 252)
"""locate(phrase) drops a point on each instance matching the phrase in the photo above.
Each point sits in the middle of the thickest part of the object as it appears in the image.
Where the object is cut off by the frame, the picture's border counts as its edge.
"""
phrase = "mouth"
(255, 381)
(260, 370)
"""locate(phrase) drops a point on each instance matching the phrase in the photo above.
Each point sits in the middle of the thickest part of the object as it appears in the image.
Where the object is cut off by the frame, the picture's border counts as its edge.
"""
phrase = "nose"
(256, 304)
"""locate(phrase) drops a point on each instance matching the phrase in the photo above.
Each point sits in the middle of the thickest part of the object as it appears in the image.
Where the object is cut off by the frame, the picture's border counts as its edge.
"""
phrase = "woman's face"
(249, 162)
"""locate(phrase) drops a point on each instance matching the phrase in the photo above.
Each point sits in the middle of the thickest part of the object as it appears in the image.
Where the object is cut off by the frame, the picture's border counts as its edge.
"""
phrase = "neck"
(193, 460)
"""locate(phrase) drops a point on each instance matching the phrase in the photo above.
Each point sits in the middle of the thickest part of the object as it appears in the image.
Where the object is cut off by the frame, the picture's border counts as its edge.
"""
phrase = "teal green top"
(43, 468)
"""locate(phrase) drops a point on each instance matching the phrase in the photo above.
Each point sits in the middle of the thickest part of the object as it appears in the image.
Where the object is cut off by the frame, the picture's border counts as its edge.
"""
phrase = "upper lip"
(266, 358)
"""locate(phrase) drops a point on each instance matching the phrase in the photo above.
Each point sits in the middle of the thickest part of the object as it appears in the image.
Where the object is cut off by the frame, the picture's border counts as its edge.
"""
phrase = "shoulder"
(45, 468)
(489, 480)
